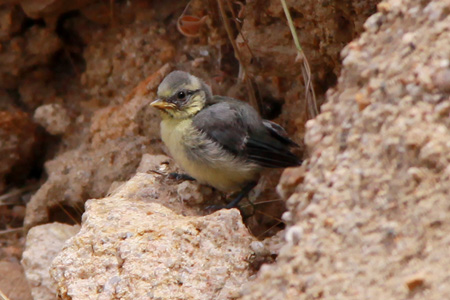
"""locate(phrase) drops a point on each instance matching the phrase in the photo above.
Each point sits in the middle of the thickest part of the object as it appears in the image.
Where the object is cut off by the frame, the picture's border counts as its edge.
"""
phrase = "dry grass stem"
(12, 230)
(251, 92)
(310, 95)
(15, 193)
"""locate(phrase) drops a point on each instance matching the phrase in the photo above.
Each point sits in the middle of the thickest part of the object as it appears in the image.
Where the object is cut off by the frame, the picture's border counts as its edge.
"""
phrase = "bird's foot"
(180, 177)
(234, 204)
(214, 208)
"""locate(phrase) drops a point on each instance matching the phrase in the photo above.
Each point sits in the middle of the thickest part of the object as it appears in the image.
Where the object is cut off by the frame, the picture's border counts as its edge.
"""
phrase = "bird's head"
(182, 95)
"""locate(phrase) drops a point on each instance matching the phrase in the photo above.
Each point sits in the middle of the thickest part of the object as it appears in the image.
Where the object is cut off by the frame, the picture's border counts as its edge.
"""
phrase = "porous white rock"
(43, 243)
(131, 249)
(53, 117)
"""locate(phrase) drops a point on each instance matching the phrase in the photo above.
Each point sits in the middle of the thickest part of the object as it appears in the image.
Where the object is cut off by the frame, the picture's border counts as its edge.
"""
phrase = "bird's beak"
(161, 104)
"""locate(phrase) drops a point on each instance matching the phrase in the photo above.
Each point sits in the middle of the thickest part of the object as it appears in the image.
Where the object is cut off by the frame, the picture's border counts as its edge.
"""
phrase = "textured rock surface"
(11, 19)
(156, 188)
(53, 117)
(13, 282)
(20, 54)
(369, 219)
(43, 244)
(118, 138)
(119, 60)
(131, 249)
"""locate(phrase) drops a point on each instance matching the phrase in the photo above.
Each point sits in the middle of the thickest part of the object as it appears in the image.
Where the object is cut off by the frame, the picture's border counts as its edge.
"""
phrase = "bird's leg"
(180, 177)
(244, 192)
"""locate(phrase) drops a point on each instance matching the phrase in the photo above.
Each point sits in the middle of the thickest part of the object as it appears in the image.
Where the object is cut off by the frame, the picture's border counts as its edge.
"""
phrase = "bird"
(218, 141)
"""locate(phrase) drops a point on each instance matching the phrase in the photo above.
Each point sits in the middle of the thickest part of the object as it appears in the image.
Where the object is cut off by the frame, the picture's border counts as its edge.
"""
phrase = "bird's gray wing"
(222, 123)
(279, 133)
(237, 127)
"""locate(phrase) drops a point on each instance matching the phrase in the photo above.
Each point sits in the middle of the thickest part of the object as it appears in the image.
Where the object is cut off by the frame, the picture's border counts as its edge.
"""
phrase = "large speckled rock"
(369, 215)
(44, 242)
(130, 249)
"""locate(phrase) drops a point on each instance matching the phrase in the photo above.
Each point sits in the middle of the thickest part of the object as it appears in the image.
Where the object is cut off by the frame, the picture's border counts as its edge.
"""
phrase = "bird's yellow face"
(181, 95)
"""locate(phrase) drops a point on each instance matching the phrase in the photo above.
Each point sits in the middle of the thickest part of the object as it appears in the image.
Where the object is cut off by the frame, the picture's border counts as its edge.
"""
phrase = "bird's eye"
(181, 95)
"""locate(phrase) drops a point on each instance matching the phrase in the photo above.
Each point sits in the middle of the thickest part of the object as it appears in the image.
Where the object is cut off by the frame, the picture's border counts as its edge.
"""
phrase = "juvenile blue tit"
(218, 141)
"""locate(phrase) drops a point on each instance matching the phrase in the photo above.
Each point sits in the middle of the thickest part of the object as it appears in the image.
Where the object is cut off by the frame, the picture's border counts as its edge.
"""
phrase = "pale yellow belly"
(225, 173)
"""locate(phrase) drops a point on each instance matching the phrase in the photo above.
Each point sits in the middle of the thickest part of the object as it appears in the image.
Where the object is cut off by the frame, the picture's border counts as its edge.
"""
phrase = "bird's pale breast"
(204, 159)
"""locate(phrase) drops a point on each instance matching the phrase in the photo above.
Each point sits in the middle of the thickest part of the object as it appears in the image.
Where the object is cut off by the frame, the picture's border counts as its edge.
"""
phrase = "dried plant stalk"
(306, 70)
(248, 83)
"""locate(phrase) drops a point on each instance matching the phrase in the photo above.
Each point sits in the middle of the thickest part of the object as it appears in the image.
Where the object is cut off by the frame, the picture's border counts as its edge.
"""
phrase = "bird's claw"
(180, 177)
(214, 208)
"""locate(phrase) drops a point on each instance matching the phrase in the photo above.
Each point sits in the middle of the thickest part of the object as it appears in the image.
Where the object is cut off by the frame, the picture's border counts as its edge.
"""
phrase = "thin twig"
(6, 231)
(238, 26)
(268, 201)
(270, 228)
(262, 202)
(247, 80)
(68, 214)
(158, 172)
(306, 71)
(270, 216)
(16, 192)
(72, 63)
(78, 208)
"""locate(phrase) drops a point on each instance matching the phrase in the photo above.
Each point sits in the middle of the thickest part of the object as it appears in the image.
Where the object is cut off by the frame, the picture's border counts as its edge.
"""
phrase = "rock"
(131, 249)
(50, 9)
(34, 48)
(53, 117)
(291, 178)
(13, 282)
(154, 163)
(415, 282)
(36, 88)
(274, 243)
(119, 136)
(186, 192)
(192, 193)
(11, 20)
(18, 138)
(43, 244)
(371, 204)
(120, 60)
(156, 188)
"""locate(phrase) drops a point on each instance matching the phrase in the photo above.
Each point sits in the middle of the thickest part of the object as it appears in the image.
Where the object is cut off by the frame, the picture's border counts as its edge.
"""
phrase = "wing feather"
(237, 127)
